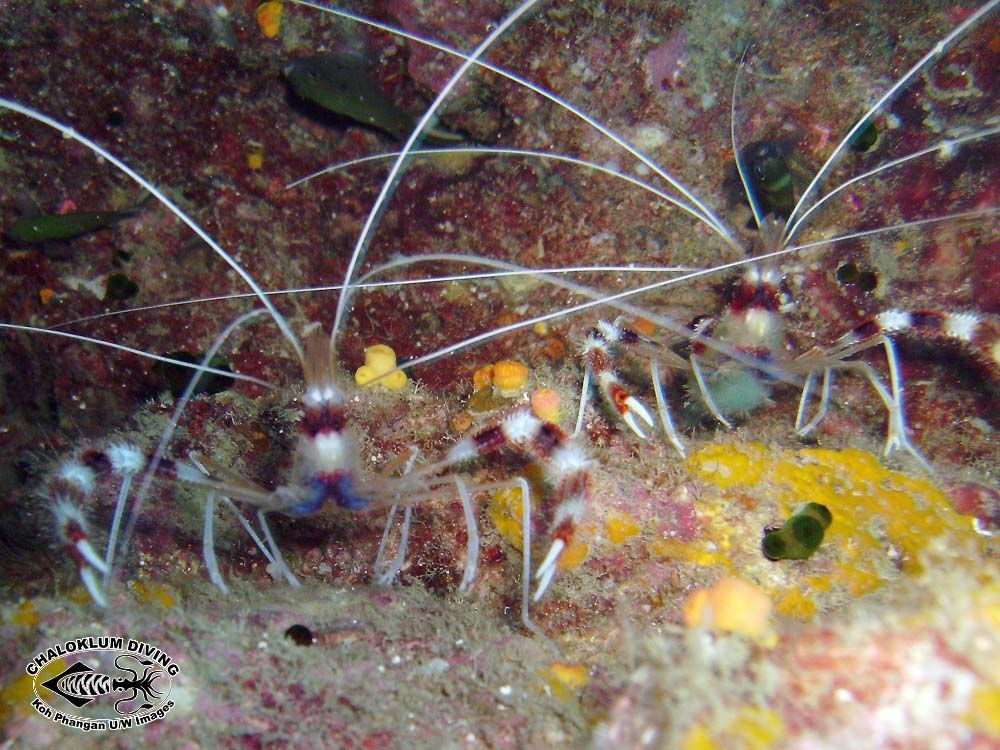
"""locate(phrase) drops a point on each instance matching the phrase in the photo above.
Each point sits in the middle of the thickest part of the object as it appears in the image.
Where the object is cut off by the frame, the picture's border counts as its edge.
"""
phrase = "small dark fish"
(61, 227)
(340, 84)
(770, 178)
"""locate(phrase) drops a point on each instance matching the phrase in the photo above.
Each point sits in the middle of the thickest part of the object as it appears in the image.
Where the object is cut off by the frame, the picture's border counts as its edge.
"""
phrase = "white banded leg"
(208, 545)
(898, 433)
(546, 570)
(584, 396)
(277, 560)
(824, 402)
(706, 394)
(663, 408)
(472, 533)
(385, 574)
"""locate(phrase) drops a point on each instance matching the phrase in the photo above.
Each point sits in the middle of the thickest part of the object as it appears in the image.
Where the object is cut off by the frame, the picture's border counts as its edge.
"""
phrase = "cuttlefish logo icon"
(108, 683)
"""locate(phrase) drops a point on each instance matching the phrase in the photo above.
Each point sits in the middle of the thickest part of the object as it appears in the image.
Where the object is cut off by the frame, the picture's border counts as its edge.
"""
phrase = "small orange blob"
(461, 421)
(509, 377)
(994, 43)
(620, 527)
(380, 359)
(269, 18)
(555, 349)
(565, 680)
(483, 377)
(545, 403)
(153, 593)
(573, 556)
(644, 326)
(46, 295)
(26, 615)
(731, 605)
(255, 159)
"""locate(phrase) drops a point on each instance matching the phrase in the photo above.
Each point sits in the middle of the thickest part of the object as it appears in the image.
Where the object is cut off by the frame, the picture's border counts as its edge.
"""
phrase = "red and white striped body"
(978, 334)
(752, 324)
(566, 466)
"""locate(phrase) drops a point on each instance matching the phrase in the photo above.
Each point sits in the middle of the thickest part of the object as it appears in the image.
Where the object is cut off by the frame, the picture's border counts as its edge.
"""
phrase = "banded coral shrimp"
(753, 323)
(575, 213)
(326, 458)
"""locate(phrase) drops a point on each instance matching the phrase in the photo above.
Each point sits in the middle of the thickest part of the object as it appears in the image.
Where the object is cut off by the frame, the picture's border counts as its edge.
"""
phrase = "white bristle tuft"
(572, 509)
(66, 513)
(78, 475)
(594, 343)
(463, 450)
(521, 427)
(125, 458)
(961, 326)
(894, 320)
(610, 331)
(567, 460)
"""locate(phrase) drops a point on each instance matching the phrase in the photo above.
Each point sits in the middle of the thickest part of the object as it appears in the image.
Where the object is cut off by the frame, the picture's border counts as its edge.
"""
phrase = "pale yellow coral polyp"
(380, 359)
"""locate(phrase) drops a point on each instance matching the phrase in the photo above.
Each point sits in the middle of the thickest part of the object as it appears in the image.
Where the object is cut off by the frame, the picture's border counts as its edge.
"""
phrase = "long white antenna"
(389, 185)
(69, 132)
(705, 213)
(794, 222)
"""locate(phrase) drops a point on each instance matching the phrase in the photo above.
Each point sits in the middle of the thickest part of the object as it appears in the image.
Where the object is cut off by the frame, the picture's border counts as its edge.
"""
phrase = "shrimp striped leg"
(598, 352)
(74, 483)
(567, 469)
(70, 490)
(977, 334)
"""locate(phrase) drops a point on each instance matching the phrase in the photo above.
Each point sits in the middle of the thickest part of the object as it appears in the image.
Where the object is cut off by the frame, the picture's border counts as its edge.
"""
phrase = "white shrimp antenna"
(139, 353)
(69, 132)
(697, 208)
(758, 214)
(389, 186)
(618, 299)
(795, 222)
(514, 152)
(165, 437)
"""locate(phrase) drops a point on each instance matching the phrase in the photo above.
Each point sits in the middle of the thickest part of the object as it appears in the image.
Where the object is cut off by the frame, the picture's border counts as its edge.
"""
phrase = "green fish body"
(340, 84)
(59, 227)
